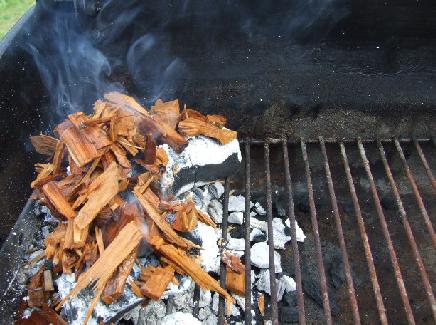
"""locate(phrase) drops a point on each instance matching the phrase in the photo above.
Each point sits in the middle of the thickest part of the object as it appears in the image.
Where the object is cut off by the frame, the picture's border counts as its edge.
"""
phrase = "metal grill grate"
(361, 146)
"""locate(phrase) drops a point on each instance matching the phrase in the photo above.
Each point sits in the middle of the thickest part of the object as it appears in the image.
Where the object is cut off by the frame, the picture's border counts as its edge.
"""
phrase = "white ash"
(299, 232)
(215, 210)
(75, 309)
(260, 257)
(284, 284)
(280, 237)
(236, 244)
(153, 313)
(237, 203)
(179, 318)
(200, 151)
(210, 260)
(173, 289)
(259, 209)
(207, 316)
(205, 298)
(216, 190)
(183, 302)
(236, 217)
(256, 232)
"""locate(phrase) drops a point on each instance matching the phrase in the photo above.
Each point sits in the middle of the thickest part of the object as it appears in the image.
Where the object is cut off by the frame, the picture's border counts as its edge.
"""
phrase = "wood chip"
(235, 281)
(155, 280)
(124, 215)
(218, 120)
(126, 102)
(115, 286)
(233, 261)
(122, 246)
(261, 304)
(45, 174)
(205, 218)
(192, 113)
(193, 127)
(99, 238)
(191, 267)
(104, 188)
(186, 218)
(81, 150)
(95, 135)
(167, 112)
(166, 229)
(58, 200)
(44, 144)
(48, 281)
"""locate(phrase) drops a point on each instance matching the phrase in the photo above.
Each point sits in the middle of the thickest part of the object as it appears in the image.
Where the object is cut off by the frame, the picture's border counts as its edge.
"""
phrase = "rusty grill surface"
(342, 159)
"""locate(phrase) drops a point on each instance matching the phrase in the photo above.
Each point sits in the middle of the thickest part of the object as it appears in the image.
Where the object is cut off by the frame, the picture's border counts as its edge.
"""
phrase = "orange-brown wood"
(58, 200)
(192, 127)
(44, 144)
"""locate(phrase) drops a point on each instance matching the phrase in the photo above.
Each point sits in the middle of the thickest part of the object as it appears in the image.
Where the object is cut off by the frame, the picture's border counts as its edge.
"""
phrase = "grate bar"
(425, 164)
(409, 233)
(248, 315)
(223, 269)
(415, 190)
(291, 215)
(319, 258)
(369, 258)
(272, 275)
(347, 268)
(386, 234)
(329, 140)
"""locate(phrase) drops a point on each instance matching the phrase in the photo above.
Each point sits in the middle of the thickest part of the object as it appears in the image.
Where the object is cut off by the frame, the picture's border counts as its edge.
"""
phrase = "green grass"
(10, 12)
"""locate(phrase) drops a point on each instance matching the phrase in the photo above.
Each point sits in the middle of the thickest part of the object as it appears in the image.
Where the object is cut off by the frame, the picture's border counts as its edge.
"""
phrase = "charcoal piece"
(193, 236)
(237, 232)
(291, 298)
(259, 237)
(280, 207)
(203, 160)
(187, 177)
(288, 315)
(137, 169)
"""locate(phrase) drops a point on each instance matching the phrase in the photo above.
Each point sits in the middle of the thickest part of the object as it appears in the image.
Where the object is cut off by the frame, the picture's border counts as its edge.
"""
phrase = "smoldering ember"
(132, 202)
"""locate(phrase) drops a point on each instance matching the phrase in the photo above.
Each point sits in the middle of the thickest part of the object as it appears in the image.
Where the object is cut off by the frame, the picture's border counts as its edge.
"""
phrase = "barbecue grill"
(335, 114)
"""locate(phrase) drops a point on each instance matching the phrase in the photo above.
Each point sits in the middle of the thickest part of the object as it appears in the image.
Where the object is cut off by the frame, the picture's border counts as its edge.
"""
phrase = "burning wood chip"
(192, 127)
(102, 223)
(166, 229)
(123, 245)
(191, 267)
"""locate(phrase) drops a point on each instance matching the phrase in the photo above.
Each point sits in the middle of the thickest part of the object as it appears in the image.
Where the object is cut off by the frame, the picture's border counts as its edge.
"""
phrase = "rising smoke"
(131, 45)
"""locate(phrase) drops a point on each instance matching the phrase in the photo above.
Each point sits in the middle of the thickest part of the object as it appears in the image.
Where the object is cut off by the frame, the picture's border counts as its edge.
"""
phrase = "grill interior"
(366, 207)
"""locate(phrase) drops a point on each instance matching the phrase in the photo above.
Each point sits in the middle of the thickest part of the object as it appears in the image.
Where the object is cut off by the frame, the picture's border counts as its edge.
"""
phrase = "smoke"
(72, 69)
(135, 46)
(152, 69)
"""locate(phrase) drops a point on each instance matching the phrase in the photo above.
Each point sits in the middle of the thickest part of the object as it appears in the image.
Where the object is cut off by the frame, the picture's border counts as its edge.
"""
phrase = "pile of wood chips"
(100, 232)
